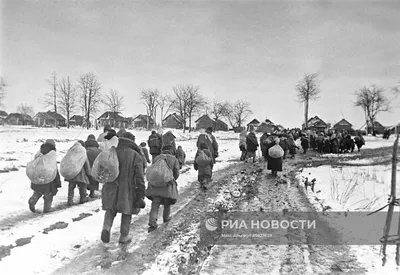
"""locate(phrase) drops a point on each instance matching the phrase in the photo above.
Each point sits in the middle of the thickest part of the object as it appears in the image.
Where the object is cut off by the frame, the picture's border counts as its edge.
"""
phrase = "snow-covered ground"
(364, 187)
(48, 251)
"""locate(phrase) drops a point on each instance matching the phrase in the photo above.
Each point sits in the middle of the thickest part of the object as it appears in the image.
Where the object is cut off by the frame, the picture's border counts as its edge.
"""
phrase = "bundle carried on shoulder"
(275, 151)
(202, 159)
(72, 163)
(159, 173)
(106, 166)
(43, 169)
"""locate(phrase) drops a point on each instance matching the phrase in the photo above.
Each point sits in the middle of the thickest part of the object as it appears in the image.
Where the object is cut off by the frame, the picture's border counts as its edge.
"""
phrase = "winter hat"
(209, 129)
(153, 132)
(51, 142)
(143, 144)
(167, 148)
(91, 137)
(111, 133)
(128, 135)
(81, 142)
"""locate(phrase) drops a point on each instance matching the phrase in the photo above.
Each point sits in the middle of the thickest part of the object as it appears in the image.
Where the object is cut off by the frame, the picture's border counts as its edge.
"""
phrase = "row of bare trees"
(66, 96)
(187, 101)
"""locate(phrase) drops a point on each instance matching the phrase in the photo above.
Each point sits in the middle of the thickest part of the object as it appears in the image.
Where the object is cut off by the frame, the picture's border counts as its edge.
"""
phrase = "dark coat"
(83, 176)
(305, 143)
(146, 154)
(274, 164)
(92, 151)
(51, 187)
(181, 156)
(169, 194)
(212, 144)
(155, 150)
(122, 194)
(251, 142)
(169, 139)
(204, 170)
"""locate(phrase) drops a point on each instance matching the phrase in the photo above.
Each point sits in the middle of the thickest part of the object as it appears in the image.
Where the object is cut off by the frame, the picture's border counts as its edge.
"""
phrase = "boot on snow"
(107, 224)
(125, 227)
(33, 200)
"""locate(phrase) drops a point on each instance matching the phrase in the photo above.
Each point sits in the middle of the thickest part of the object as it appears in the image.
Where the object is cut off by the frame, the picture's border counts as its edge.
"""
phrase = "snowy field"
(357, 188)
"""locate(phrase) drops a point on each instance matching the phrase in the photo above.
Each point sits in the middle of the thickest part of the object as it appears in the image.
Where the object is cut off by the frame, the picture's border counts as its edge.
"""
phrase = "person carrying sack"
(162, 193)
(92, 151)
(275, 154)
(46, 189)
(203, 163)
(124, 195)
(155, 144)
(252, 144)
(81, 180)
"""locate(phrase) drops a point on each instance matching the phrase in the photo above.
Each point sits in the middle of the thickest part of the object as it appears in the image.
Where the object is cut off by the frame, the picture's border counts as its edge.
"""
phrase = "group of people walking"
(126, 193)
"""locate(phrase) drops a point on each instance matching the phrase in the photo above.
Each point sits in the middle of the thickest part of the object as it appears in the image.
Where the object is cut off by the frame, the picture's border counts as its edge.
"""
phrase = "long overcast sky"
(255, 50)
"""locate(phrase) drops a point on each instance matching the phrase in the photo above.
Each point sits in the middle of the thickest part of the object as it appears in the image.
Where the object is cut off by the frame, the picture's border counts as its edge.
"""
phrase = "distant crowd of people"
(276, 146)
(126, 193)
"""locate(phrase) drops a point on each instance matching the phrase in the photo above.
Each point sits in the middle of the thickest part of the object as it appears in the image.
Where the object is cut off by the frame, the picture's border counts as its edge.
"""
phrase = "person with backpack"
(203, 163)
(264, 141)
(359, 141)
(155, 144)
(162, 193)
(275, 154)
(48, 190)
(92, 151)
(284, 145)
(181, 156)
(251, 144)
(81, 181)
(124, 195)
(214, 143)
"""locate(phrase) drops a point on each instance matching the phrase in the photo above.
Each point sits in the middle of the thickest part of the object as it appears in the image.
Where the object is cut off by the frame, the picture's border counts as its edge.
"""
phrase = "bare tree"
(91, 98)
(219, 109)
(50, 98)
(165, 102)
(3, 86)
(25, 109)
(195, 102)
(149, 98)
(180, 101)
(238, 113)
(307, 89)
(67, 97)
(114, 101)
(372, 101)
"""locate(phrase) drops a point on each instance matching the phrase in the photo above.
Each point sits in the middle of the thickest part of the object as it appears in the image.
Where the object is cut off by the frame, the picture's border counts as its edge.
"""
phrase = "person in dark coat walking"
(292, 146)
(274, 164)
(167, 195)
(359, 141)
(155, 144)
(305, 144)
(81, 181)
(145, 152)
(125, 195)
(169, 139)
(252, 144)
(49, 190)
(181, 156)
(204, 171)
(284, 145)
(242, 144)
(214, 142)
(92, 151)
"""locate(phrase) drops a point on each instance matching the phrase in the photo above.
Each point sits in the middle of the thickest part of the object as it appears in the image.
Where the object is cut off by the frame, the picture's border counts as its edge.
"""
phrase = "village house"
(343, 125)
(255, 123)
(266, 127)
(378, 128)
(143, 121)
(114, 119)
(316, 124)
(76, 120)
(19, 119)
(49, 119)
(205, 121)
(173, 121)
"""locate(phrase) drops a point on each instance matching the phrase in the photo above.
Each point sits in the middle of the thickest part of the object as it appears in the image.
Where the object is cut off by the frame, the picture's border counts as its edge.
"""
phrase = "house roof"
(221, 122)
(175, 116)
(21, 116)
(3, 113)
(343, 122)
(144, 118)
(50, 115)
(114, 115)
(254, 121)
(316, 122)
(203, 117)
(75, 117)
